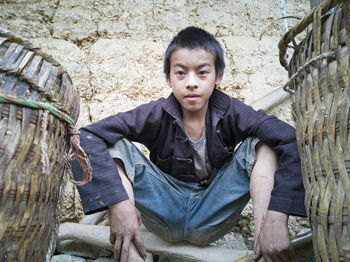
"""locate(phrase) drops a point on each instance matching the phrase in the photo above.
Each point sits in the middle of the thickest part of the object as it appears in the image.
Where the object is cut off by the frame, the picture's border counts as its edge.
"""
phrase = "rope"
(277, 19)
(305, 67)
(75, 150)
(18, 73)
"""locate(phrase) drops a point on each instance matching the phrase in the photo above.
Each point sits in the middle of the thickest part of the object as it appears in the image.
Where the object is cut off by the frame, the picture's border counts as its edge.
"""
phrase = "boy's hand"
(125, 222)
(273, 242)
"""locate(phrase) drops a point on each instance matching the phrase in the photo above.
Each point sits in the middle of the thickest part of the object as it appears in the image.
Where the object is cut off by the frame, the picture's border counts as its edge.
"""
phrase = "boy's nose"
(191, 81)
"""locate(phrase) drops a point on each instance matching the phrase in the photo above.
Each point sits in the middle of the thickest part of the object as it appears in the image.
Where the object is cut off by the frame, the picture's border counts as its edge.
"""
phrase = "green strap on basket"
(20, 100)
(75, 150)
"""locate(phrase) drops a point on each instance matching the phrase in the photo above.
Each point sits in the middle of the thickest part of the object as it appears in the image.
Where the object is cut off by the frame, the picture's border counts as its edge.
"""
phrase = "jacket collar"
(218, 104)
(172, 106)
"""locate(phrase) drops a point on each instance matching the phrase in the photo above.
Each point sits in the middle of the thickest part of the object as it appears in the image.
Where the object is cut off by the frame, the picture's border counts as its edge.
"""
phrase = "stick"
(271, 100)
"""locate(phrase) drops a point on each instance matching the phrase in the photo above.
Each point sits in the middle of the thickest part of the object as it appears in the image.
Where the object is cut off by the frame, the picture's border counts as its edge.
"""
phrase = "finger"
(112, 238)
(139, 217)
(139, 220)
(283, 257)
(257, 251)
(257, 256)
(277, 258)
(117, 247)
(267, 258)
(138, 241)
(291, 253)
(125, 250)
(287, 255)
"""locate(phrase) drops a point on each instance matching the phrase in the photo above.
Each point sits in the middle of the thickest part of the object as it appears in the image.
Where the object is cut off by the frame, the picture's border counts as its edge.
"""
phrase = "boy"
(195, 185)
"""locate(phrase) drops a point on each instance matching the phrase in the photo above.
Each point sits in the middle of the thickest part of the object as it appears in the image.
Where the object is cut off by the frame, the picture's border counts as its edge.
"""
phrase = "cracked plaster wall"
(113, 51)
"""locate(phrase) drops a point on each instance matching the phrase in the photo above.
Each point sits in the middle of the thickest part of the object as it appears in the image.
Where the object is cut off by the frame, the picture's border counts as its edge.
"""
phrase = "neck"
(194, 124)
(194, 117)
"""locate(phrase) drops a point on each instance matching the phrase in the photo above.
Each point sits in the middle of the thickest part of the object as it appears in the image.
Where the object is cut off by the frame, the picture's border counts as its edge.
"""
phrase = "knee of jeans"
(162, 231)
(202, 241)
(211, 233)
(208, 235)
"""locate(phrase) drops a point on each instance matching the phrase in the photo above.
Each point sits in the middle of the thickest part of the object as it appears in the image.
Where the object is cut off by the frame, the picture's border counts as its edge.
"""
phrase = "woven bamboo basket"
(33, 149)
(319, 84)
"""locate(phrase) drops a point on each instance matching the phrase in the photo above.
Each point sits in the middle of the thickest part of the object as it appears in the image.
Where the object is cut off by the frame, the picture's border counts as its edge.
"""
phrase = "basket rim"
(300, 27)
(28, 45)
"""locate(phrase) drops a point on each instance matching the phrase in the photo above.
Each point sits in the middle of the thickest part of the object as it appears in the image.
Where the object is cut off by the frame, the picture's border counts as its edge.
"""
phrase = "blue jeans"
(176, 210)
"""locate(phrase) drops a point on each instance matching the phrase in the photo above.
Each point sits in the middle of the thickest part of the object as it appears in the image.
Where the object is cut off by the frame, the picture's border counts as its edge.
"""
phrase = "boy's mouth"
(191, 96)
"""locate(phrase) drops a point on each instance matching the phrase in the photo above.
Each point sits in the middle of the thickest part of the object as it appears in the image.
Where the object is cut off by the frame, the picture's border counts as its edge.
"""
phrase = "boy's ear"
(219, 78)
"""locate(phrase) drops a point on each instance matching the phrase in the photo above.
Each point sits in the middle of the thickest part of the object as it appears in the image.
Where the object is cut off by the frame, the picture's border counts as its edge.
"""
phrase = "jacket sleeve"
(106, 186)
(288, 192)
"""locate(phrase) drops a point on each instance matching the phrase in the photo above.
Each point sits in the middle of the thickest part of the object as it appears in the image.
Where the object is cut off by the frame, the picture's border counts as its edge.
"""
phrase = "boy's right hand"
(125, 222)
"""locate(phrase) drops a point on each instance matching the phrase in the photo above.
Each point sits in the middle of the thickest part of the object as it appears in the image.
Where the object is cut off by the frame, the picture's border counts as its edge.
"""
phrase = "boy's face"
(193, 79)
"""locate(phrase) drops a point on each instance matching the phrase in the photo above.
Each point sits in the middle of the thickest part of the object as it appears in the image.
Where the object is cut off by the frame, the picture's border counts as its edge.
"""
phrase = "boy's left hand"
(273, 243)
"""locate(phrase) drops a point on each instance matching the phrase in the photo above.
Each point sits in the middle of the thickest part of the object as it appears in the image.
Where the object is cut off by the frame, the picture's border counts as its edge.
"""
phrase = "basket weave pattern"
(30, 189)
(321, 110)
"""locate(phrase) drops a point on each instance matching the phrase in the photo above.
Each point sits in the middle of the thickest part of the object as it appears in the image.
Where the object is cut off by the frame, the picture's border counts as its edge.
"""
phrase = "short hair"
(194, 37)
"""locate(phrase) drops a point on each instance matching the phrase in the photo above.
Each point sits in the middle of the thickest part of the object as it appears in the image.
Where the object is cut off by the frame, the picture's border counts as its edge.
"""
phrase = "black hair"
(194, 37)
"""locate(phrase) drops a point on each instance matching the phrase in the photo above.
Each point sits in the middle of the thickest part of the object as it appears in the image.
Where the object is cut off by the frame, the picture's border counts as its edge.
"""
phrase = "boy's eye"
(203, 73)
(180, 73)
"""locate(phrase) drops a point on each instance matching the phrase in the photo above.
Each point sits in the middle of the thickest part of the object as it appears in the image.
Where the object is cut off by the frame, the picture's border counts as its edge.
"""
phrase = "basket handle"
(300, 27)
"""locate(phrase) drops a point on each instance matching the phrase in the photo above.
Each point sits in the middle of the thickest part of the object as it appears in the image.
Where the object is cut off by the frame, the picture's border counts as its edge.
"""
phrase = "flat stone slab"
(99, 236)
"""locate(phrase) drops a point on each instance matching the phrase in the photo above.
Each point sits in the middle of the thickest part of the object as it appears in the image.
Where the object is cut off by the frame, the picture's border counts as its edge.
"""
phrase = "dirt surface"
(113, 51)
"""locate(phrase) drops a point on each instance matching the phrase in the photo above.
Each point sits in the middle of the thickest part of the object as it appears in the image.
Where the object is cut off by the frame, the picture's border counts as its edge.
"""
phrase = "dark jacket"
(159, 127)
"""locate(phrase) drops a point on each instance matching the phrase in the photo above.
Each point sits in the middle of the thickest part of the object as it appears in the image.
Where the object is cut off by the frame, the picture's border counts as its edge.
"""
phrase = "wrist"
(117, 204)
(273, 217)
(277, 216)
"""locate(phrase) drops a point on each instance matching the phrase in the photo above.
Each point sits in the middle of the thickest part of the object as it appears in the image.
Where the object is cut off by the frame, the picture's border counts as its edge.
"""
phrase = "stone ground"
(113, 51)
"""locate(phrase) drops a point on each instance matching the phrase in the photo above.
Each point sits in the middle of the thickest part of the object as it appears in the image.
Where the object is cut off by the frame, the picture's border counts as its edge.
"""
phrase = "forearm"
(271, 227)
(260, 188)
(271, 235)
(288, 194)
(261, 212)
(261, 183)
